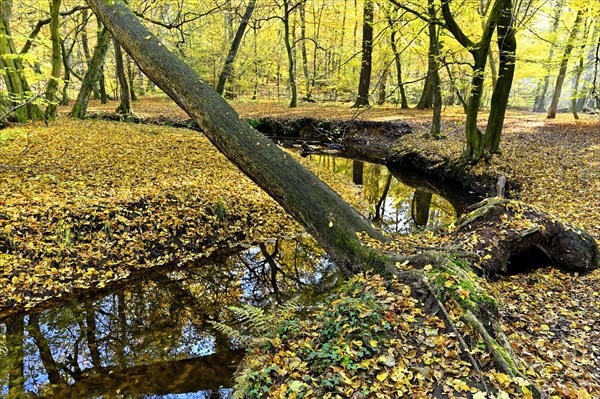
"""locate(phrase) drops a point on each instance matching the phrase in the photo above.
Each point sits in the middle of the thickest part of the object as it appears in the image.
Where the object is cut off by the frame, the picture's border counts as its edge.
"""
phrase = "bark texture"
(319, 209)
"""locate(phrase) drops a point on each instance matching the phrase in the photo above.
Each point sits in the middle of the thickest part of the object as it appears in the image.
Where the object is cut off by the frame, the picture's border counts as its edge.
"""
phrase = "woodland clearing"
(110, 182)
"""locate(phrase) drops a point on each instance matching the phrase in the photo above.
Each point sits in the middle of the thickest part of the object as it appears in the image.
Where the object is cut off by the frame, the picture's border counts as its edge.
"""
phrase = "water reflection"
(396, 207)
(150, 337)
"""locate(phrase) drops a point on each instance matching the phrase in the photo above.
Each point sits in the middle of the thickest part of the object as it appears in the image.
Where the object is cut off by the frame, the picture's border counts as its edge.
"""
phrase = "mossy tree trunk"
(52, 87)
(507, 46)
(474, 149)
(330, 220)
(94, 70)
(13, 71)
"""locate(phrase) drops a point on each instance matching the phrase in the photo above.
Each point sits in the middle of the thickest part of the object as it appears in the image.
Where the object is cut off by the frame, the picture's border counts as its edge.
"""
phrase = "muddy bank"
(373, 141)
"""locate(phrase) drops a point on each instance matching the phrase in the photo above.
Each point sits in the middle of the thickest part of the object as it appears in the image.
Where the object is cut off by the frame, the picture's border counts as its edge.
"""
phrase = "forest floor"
(74, 177)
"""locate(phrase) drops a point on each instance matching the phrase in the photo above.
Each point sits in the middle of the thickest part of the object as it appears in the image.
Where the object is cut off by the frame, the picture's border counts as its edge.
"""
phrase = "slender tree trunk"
(290, 55)
(67, 76)
(382, 87)
(317, 207)
(130, 77)
(397, 61)
(52, 87)
(125, 102)
(235, 45)
(564, 62)
(433, 66)
(94, 69)
(364, 82)
(302, 9)
(540, 100)
(507, 46)
(86, 50)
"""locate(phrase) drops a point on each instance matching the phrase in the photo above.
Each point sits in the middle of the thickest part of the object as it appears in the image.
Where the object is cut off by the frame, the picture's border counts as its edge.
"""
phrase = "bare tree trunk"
(540, 100)
(564, 62)
(364, 82)
(397, 61)
(433, 66)
(290, 54)
(125, 102)
(235, 45)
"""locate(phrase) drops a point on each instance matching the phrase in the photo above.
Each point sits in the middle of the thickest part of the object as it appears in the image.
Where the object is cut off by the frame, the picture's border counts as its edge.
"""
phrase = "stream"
(155, 337)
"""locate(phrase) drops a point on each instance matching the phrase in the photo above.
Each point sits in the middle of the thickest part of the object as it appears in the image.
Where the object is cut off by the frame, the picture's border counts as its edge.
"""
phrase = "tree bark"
(564, 62)
(474, 149)
(540, 100)
(235, 45)
(13, 71)
(433, 66)
(507, 46)
(124, 107)
(89, 81)
(290, 55)
(364, 82)
(52, 87)
(319, 209)
(398, 62)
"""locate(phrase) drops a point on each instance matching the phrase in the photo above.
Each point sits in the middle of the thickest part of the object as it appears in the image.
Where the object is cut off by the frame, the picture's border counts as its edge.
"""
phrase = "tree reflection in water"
(395, 206)
(151, 338)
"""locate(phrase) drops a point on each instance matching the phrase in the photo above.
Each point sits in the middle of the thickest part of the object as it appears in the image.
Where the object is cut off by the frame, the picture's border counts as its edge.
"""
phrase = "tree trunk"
(67, 76)
(331, 221)
(325, 215)
(474, 149)
(540, 100)
(130, 77)
(382, 87)
(94, 69)
(433, 67)
(507, 46)
(564, 62)
(290, 55)
(12, 69)
(235, 45)
(52, 87)
(124, 107)
(397, 61)
(364, 82)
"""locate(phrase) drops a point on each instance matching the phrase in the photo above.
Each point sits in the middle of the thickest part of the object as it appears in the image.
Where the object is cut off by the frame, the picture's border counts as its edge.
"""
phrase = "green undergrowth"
(370, 339)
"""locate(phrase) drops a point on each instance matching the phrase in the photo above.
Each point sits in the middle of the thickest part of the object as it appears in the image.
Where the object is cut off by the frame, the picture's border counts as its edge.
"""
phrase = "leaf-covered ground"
(84, 203)
(115, 197)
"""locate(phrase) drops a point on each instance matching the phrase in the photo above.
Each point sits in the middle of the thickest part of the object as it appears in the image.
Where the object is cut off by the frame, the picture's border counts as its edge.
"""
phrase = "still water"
(152, 337)
(396, 207)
